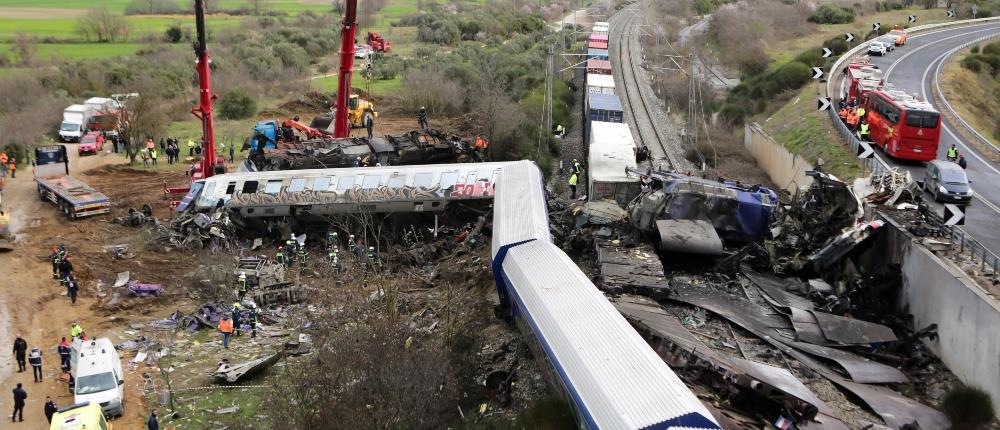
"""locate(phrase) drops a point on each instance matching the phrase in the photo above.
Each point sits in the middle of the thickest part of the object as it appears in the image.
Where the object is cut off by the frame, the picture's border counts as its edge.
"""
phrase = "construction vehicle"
(377, 42)
(74, 198)
(269, 133)
(210, 163)
(359, 111)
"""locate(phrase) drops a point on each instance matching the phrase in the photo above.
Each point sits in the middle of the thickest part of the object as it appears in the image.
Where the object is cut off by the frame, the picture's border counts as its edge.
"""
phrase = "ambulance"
(79, 417)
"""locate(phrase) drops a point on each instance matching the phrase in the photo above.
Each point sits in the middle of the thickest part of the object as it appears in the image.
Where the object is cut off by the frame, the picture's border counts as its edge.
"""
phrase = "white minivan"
(97, 373)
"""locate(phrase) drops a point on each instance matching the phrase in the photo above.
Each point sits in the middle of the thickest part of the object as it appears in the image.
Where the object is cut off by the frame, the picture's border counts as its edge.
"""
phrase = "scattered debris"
(233, 373)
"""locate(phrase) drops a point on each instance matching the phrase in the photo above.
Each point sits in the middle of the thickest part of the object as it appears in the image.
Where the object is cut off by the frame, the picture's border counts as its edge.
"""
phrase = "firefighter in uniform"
(331, 239)
(290, 246)
(241, 286)
(372, 257)
(303, 255)
(280, 256)
(334, 259)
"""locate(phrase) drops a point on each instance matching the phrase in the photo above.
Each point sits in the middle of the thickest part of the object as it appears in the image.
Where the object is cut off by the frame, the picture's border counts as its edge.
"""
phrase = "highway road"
(911, 68)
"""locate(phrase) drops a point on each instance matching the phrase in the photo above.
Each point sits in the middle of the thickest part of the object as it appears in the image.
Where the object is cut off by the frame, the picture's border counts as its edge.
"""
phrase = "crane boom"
(341, 123)
(203, 110)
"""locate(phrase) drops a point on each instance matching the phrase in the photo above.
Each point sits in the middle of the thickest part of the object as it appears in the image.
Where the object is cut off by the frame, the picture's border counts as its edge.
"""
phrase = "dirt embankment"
(34, 305)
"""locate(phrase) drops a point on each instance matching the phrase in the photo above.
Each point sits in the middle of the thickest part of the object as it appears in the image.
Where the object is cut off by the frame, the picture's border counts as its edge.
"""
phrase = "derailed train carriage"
(412, 148)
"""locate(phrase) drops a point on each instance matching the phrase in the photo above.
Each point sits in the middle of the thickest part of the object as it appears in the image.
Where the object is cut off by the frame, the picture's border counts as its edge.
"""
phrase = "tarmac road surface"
(911, 68)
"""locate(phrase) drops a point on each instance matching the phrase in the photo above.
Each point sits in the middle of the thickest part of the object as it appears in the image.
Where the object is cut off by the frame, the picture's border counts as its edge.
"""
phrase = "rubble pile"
(792, 331)
(193, 230)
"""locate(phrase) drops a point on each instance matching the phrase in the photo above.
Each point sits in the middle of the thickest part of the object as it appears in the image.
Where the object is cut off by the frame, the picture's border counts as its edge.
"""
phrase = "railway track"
(641, 115)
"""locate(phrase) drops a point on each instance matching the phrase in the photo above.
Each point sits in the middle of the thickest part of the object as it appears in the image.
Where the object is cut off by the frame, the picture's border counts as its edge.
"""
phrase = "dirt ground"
(35, 306)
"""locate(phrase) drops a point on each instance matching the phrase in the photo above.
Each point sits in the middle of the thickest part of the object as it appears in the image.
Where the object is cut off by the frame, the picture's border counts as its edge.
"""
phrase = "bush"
(154, 7)
(792, 75)
(972, 64)
(237, 104)
(975, 49)
(828, 14)
(968, 408)
(732, 114)
(174, 33)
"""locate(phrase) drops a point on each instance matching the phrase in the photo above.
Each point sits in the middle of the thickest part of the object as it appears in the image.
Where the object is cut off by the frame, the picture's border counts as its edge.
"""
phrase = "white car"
(877, 48)
(888, 41)
(362, 51)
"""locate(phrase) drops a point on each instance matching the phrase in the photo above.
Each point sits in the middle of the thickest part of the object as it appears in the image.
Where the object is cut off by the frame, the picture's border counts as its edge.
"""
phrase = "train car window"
(230, 188)
(321, 184)
(273, 187)
(345, 183)
(371, 181)
(397, 181)
(472, 177)
(448, 179)
(422, 180)
(249, 187)
(207, 196)
(296, 185)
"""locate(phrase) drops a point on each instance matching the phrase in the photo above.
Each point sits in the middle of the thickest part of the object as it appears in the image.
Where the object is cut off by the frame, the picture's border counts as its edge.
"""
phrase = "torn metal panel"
(755, 320)
(122, 279)
(777, 289)
(682, 349)
(233, 373)
(806, 327)
(689, 236)
(849, 331)
(631, 269)
(840, 246)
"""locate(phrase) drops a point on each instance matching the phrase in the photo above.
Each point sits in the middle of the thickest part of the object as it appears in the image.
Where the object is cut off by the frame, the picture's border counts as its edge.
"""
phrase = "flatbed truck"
(73, 197)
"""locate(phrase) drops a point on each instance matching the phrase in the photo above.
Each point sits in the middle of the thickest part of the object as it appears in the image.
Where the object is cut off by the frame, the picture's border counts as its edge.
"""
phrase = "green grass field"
(65, 28)
(77, 51)
(290, 6)
(329, 83)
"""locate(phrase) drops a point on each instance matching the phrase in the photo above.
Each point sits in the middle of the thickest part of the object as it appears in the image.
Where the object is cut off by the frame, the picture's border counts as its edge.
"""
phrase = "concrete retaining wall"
(785, 169)
(937, 292)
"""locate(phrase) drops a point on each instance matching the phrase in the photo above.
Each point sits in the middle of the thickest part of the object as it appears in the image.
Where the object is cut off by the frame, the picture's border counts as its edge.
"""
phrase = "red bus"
(903, 126)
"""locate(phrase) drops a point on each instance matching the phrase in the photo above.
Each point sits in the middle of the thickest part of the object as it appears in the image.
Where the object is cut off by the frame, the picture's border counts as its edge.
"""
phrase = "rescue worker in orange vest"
(226, 327)
(481, 146)
(852, 119)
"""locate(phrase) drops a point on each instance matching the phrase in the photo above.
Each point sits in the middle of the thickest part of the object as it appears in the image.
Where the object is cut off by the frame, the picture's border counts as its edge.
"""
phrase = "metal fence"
(966, 244)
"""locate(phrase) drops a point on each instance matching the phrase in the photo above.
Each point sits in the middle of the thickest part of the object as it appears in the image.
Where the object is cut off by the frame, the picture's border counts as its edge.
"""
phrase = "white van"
(74, 124)
(97, 372)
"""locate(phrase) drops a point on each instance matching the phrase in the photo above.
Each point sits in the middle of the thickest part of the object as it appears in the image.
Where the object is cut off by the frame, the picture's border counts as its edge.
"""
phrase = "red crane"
(341, 124)
(203, 110)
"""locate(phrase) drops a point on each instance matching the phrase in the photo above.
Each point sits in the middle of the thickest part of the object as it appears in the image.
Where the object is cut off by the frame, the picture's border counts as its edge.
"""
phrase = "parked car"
(877, 48)
(362, 51)
(92, 143)
(888, 41)
(946, 181)
(898, 35)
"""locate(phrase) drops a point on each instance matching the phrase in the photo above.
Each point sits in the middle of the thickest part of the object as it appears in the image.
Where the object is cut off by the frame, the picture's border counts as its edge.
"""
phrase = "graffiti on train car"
(385, 194)
(480, 188)
(304, 197)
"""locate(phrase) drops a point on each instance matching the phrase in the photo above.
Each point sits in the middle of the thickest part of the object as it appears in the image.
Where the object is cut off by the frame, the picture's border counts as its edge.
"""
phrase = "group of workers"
(34, 359)
(8, 164)
(62, 269)
(293, 251)
(854, 116)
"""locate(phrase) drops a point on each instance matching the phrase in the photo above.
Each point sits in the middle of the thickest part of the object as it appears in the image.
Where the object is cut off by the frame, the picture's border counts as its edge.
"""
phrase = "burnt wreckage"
(801, 278)
(412, 148)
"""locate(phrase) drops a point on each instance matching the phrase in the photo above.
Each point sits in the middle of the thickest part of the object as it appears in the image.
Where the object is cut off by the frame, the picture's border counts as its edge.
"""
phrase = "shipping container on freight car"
(599, 67)
(601, 28)
(607, 178)
(597, 54)
(604, 107)
(597, 38)
(611, 134)
(600, 84)
(597, 45)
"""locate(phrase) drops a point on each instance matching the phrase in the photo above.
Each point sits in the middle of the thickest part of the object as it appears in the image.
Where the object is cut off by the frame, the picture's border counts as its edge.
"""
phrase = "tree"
(237, 104)
(102, 25)
(141, 117)
(24, 47)
(258, 6)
